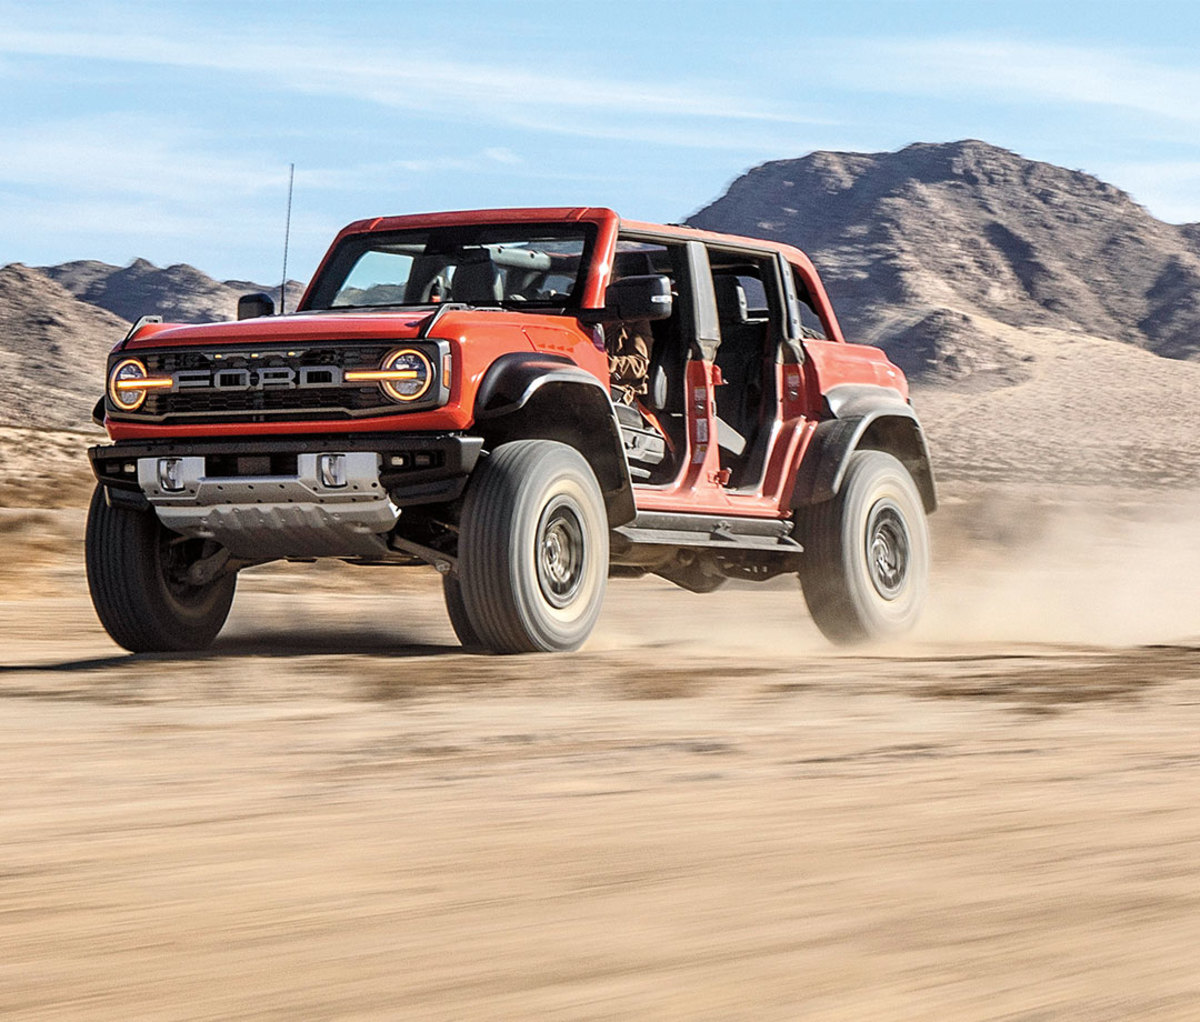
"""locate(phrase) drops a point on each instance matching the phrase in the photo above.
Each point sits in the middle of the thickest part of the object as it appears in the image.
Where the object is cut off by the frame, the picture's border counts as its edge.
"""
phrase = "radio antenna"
(287, 234)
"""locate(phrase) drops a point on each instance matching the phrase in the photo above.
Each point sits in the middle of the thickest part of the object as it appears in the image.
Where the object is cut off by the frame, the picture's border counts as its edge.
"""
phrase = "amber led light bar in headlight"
(406, 374)
(128, 384)
(378, 375)
(146, 383)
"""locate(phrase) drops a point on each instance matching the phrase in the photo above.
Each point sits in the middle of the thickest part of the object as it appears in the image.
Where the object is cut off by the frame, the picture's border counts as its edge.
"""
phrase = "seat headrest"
(732, 306)
(477, 283)
(631, 264)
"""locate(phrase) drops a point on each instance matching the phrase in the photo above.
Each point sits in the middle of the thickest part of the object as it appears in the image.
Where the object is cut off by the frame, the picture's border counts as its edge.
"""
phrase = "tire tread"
(832, 601)
(120, 556)
(487, 545)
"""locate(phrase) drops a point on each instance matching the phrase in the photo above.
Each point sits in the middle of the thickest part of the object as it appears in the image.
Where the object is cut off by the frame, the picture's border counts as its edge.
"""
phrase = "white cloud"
(126, 155)
(452, 89)
(1020, 70)
(750, 140)
(502, 154)
(390, 174)
(123, 183)
(245, 242)
(119, 154)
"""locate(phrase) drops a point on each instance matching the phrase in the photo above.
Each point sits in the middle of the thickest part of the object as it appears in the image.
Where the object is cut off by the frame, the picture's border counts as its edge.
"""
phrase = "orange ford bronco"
(442, 396)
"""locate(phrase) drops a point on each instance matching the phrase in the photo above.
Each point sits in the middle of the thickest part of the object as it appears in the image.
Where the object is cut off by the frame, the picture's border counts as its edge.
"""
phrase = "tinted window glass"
(535, 265)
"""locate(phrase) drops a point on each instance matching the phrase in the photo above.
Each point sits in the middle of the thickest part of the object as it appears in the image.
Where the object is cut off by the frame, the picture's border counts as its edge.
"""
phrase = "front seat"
(477, 283)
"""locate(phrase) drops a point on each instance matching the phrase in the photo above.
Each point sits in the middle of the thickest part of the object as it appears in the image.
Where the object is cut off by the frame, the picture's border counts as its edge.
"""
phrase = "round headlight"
(409, 375)
(122, 384)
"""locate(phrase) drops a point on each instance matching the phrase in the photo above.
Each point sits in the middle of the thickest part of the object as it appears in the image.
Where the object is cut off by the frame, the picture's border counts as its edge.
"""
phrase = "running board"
(659, 528)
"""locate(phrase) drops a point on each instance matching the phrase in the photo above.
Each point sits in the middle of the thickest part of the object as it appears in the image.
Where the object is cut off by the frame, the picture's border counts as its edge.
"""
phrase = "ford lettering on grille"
(280, 377)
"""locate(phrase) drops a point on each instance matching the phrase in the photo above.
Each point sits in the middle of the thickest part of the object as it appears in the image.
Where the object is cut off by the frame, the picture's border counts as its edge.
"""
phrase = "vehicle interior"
(749, 314)
(661, 412)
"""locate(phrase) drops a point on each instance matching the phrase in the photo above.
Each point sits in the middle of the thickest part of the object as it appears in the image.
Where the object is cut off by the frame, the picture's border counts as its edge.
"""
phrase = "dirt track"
(706, 814)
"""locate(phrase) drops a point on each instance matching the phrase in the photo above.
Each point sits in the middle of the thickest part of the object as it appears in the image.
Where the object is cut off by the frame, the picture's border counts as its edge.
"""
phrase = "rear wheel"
(533, 549)
(865, 569)
(138, 577)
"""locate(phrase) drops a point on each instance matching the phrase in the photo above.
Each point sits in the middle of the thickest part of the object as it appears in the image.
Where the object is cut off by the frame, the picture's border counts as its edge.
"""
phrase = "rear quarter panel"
(833, 363)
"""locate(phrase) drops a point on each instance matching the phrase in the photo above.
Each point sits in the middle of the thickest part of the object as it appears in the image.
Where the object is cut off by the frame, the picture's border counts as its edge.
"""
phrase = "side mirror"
(258, 304)
(645, 297)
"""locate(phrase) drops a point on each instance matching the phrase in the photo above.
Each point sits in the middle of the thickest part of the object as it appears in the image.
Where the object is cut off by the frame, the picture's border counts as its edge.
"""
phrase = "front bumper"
(414, 469)
(269, 498)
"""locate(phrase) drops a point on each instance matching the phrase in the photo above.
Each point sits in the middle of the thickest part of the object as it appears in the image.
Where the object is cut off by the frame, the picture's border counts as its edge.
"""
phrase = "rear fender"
(544, 397)
(865, 417)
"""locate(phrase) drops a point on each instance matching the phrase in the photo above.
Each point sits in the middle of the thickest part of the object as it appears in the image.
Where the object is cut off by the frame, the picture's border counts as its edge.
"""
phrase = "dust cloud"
(1011, 566)
(1090, 566)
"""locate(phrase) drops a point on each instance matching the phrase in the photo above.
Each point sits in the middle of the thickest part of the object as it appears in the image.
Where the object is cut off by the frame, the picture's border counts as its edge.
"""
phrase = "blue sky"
(164, 130)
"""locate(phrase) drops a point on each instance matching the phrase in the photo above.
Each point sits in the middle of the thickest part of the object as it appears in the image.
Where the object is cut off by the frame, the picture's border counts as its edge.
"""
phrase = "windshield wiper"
(381, 305)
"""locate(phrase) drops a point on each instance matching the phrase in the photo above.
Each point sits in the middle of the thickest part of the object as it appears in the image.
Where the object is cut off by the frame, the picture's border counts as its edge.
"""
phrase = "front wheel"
(532, 549)
(456, 610)
(137, 573)
(865, 568)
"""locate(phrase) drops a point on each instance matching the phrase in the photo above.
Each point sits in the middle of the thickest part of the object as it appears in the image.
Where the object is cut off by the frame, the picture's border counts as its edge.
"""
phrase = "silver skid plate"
(268, 517)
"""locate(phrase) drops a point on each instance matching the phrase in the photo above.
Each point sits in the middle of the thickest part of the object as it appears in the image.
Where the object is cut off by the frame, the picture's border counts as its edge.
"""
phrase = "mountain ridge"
(179, 293)
(971, 228)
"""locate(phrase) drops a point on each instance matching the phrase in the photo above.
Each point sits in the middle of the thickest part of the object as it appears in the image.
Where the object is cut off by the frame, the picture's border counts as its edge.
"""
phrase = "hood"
(298, 328)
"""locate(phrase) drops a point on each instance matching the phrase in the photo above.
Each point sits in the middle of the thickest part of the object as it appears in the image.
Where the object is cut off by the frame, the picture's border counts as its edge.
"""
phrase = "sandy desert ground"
(706, 814)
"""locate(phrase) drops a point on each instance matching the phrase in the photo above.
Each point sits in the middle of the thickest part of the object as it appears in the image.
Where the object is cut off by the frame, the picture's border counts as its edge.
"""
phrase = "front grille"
(274, 403)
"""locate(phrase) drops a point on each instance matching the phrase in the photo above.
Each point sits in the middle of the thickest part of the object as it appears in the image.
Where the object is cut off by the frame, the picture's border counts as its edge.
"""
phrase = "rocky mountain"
(58, 323)
(1192, 233)
(916, 245)
(180, 293)
(52, 351)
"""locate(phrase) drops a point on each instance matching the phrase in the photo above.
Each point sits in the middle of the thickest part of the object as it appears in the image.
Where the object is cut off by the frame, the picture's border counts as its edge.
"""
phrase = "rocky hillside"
(913, 245)
(58, 323)
(180, 294)
(52, 351)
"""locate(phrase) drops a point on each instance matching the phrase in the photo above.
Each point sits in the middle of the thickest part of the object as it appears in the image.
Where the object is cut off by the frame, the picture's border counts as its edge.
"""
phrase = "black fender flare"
(513, 380)
(870, 417)
(536, 396)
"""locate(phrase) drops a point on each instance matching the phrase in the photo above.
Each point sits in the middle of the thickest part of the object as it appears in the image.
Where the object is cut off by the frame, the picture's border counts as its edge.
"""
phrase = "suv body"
(441, 396)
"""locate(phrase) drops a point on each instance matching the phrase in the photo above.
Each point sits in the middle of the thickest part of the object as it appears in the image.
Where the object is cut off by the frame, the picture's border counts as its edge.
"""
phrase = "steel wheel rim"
(561, 553)
(888, 549)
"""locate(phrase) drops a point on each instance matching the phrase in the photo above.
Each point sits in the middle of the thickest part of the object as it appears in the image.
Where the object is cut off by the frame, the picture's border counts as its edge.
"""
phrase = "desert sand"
(707, 813)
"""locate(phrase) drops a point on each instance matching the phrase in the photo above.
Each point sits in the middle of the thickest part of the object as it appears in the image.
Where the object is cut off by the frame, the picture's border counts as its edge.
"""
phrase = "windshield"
(539, 265)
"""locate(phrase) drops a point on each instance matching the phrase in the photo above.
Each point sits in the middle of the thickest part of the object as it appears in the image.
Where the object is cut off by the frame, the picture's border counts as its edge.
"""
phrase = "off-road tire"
(134, 569)
(865, 567)
(533, 549)
(456, 609)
